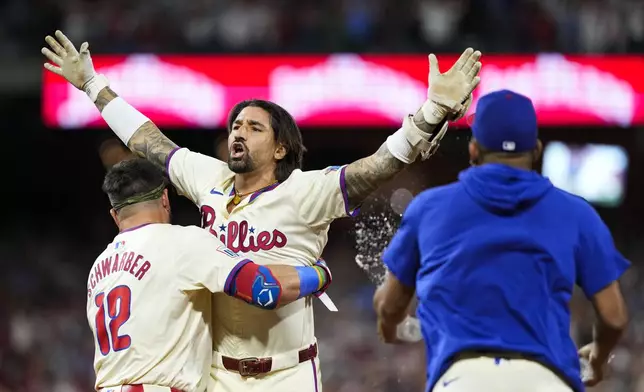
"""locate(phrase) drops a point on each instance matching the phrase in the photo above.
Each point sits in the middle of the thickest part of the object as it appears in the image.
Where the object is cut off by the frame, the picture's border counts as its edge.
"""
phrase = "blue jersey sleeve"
(401, 256)
(598, 262)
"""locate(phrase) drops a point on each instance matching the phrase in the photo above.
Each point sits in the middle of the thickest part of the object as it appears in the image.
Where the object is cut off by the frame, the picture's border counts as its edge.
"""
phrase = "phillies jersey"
(285, 223)
(149, 306)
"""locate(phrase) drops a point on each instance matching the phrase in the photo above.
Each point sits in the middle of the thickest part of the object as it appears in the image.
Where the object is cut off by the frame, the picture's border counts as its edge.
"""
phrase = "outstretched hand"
(74, 65)
(449, 93)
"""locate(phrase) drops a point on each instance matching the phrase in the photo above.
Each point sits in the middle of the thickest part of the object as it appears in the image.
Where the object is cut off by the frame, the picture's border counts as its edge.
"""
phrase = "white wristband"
(94, 86)
(433, 112)
(409, 141)
(400, 148)
(123, 118)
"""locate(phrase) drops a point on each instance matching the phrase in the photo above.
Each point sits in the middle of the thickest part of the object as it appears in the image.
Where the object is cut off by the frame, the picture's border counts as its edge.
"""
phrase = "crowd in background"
(612, 26)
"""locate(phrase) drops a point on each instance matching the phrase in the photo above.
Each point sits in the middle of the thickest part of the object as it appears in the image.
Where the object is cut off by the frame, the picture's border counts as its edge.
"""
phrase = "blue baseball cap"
(505, 121)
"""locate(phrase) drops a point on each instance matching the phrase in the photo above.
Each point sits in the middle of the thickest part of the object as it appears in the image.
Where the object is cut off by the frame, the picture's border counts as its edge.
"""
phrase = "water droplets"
(374, 229)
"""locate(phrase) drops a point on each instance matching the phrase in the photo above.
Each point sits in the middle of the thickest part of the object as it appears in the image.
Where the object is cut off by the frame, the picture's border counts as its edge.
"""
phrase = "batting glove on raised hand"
(74, 65)
(321, 264)
(449, 93)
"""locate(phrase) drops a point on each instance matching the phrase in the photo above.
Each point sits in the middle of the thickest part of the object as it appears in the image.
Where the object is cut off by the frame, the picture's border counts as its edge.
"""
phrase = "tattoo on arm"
(149, 142)
(367, 174)
(105, 96)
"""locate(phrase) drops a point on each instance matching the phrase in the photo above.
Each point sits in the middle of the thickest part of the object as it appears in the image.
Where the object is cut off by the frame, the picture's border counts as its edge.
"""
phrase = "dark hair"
(131, 179)
(286, 133)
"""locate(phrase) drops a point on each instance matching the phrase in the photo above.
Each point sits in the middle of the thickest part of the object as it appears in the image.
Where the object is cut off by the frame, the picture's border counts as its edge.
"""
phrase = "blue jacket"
(494, 258)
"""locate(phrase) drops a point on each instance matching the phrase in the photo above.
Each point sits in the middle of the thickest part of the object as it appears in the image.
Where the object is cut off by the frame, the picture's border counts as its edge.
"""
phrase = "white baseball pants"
(487, 374)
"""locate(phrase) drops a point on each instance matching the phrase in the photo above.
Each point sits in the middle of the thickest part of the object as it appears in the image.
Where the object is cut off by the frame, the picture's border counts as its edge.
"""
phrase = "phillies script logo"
(239, 236)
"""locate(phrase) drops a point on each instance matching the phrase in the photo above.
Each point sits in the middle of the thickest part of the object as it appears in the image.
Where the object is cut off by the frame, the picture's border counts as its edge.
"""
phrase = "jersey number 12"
(116, 304)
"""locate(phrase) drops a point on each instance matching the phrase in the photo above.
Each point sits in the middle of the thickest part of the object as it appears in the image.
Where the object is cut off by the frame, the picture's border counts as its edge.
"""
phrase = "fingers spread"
(471, 62)
(67, 44)
(460, 63)
(51, 56)
(51, 41)
(54, 69)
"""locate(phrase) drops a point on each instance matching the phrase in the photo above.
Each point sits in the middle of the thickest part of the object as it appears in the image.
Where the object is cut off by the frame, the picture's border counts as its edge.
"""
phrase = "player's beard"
(243, 165)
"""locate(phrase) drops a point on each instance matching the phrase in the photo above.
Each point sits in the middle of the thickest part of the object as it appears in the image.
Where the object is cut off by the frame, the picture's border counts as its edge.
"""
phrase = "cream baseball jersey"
(149, 306)
(285, 223)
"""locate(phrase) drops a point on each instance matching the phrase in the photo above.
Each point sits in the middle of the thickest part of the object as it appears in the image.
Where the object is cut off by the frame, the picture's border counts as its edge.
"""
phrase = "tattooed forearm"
(368, 174)
(105, 96)
(150, 143)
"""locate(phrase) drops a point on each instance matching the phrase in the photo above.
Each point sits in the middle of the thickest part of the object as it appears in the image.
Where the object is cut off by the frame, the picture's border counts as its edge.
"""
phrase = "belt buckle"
(244, 364)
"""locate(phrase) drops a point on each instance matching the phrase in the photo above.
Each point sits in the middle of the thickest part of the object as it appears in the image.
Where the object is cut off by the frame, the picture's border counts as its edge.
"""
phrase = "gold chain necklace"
(238, 196)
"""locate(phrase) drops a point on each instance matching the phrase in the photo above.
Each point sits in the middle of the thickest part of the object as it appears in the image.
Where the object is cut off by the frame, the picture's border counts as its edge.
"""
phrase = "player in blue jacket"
(493, 259)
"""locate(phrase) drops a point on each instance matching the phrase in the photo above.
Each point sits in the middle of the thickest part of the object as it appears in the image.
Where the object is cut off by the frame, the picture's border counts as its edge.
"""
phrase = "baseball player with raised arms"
(261, 203)
(149, 292)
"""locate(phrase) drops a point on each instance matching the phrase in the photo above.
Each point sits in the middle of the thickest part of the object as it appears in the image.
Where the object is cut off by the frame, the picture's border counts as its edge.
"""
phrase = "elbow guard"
(254, 284)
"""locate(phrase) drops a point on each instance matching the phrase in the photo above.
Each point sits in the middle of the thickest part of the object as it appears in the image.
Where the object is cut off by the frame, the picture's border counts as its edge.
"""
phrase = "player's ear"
(280, 152)
(115, 217)
(165, 199)
(474, 151)
(538, 150)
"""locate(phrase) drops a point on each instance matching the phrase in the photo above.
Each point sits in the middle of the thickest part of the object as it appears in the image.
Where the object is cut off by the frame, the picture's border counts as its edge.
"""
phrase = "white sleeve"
(193, 174)
(321, 195)
(206, 263)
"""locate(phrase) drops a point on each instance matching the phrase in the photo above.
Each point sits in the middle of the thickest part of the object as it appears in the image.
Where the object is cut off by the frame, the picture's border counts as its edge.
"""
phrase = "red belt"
(139, 388)
(248, 367)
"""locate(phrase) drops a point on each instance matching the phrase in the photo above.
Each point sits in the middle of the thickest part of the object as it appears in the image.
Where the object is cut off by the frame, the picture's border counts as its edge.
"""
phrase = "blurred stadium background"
(184, 63)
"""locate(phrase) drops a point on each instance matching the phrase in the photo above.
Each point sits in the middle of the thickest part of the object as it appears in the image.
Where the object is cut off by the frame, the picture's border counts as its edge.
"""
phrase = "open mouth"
(237, 150)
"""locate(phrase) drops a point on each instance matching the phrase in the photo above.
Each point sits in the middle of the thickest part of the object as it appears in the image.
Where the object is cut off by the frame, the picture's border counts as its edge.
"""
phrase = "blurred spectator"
(338, 25)
(601, 27)
(439, 22)
(246, 23)
(634, 12)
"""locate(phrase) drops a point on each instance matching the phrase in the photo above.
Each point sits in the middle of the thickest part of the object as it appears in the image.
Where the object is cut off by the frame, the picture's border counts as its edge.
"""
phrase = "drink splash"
(374, 229)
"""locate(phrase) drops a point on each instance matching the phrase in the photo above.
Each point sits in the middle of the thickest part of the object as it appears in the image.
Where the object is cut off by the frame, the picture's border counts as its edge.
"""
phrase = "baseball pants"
(304, 377)
(487, 374)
